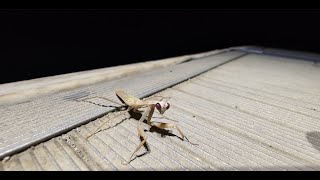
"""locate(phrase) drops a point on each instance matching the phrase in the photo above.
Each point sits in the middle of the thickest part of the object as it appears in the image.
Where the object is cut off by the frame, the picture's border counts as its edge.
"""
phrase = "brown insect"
(135, 104)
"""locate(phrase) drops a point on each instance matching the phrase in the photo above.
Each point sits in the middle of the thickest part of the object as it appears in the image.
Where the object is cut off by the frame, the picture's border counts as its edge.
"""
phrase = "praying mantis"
(135, 104)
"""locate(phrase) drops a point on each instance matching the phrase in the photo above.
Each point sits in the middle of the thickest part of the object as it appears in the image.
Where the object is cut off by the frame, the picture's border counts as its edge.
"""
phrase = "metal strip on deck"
(308, 56)
(254, 113)
(29, 123)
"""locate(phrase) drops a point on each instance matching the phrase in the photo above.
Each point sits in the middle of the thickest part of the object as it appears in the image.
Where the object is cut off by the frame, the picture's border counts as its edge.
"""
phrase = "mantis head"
(162, 106)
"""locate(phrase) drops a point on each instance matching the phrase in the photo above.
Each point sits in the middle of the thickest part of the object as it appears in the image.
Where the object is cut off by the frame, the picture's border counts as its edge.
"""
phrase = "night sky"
(39, 43)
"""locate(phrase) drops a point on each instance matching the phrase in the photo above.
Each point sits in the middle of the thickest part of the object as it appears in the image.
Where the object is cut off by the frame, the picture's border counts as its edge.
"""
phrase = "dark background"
(39, 43)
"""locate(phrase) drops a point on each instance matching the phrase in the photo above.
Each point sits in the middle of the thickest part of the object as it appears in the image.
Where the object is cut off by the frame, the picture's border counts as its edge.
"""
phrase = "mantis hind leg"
(104, 98)
(98, 129)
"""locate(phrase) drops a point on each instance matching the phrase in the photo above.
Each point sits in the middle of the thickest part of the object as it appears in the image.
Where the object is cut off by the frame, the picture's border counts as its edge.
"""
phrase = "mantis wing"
(126, 98)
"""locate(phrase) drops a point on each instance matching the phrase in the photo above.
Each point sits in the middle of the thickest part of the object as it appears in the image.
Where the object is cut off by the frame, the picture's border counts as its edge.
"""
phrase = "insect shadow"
(314, 138)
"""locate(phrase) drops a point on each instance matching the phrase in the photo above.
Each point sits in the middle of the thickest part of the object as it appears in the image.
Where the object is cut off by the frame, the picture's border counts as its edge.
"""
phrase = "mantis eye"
(168, 105)
(158, 106)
